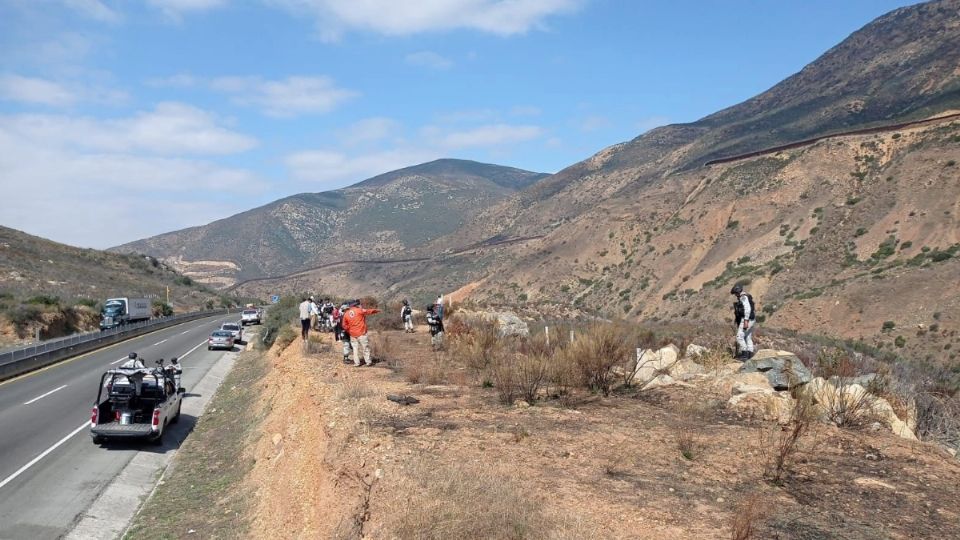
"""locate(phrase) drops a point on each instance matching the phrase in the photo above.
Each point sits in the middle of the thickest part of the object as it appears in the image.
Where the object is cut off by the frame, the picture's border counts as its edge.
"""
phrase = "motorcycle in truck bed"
(137, 402)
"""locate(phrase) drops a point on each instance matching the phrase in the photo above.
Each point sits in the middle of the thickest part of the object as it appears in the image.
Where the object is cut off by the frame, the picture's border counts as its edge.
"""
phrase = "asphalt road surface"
(50, 470)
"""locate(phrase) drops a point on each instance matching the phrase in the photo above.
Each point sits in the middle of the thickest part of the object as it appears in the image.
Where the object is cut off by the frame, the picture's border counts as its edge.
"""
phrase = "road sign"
(275, 298)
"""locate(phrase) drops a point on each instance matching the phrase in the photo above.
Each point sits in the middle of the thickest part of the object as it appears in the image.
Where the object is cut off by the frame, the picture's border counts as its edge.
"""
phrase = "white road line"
(120, 360)
(159, 343)
(184, 355)
(33, 461)
(43, 454)
(44, 395)
(184, 332)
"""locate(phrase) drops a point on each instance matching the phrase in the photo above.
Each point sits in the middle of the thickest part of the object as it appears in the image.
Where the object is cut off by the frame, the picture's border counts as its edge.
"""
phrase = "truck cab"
(137, 402)
(120, 311)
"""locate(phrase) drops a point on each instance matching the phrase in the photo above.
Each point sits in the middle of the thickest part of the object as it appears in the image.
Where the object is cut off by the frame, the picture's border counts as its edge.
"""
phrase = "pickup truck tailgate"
(116, 429)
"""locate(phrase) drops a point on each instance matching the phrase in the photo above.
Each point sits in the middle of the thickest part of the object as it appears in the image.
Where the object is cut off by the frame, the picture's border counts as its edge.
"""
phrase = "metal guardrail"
(30, 357)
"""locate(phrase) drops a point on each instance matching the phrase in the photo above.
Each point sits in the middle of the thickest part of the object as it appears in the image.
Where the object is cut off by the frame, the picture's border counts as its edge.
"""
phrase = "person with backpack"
(406, 315)
(355, 323)
(339, 334)
(435, 321)
(744, 316)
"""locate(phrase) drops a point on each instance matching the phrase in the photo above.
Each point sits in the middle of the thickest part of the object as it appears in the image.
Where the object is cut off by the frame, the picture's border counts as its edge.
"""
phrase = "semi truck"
(120, 311)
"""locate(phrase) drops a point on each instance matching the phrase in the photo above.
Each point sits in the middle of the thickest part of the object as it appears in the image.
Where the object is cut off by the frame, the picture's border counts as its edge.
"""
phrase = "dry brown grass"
(781, 445)
(597, 351)
(747, 517)
(442, 501)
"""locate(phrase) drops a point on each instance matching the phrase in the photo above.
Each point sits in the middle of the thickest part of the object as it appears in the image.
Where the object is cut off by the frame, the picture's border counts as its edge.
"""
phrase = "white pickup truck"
(250, 316)
(136, 402)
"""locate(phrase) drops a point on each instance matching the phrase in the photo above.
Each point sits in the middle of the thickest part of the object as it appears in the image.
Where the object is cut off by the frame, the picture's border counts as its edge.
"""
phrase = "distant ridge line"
(490, 242)
(807, 142)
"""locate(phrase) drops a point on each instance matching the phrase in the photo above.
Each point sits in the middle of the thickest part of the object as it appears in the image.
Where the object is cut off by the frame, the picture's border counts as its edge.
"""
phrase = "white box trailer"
(120, 311)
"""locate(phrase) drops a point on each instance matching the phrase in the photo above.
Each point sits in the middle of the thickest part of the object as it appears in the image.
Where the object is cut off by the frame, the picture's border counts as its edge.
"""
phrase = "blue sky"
(120, 119)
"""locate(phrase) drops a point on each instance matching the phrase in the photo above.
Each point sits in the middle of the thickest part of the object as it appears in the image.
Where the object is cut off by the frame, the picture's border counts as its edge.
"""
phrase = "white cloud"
(170, 128)
(174, 9)
(525, 110)
(483, 136)
(95, 198)
(331, 169)
(32, 90)
(179, 80)
(94, 9)
(594, 123)
(287, 97)
(428, 59)
(392, 17)
(369, 130)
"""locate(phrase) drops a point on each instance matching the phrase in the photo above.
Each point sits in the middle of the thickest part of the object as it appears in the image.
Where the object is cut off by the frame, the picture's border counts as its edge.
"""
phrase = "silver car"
(234, 328)
(220, 339)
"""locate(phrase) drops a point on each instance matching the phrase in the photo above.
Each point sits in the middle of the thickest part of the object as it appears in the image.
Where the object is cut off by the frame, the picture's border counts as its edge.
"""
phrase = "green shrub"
(183, 280)
(89, 302)
(280, 315)
(860, 232)
(24, 314)
(950, 163)
(906, 245)
(888, 325)
(733, 224)
(43, 300)
(900, 341)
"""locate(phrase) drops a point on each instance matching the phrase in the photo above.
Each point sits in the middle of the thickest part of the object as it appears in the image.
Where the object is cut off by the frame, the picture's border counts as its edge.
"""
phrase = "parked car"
(234, 328)
(221, 339)
(250, 316)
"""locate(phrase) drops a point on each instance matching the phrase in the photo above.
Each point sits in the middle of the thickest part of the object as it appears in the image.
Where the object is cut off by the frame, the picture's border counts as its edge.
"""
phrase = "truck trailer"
(121, 311)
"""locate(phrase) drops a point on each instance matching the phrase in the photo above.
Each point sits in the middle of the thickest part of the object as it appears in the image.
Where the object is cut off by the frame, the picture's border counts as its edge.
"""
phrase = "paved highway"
(50, 470)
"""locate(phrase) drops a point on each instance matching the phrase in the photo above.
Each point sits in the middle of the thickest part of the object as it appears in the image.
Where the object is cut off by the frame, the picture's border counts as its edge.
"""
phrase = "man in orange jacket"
(355, 324)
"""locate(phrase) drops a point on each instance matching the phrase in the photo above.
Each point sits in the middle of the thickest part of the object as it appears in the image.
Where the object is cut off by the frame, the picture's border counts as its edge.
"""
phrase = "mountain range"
(833, 196)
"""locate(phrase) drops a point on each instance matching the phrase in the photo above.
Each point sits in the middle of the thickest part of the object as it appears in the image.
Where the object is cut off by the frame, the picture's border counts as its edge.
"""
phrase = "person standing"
(314, 311)
(304, 318)
(339, 334)
(406, 315)
(435, 321)
(355, 323)
(744, 316)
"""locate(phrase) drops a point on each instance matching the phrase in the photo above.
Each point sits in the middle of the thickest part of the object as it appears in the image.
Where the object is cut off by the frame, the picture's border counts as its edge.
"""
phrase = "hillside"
(57, 287)
(837, 237)
(380, 217)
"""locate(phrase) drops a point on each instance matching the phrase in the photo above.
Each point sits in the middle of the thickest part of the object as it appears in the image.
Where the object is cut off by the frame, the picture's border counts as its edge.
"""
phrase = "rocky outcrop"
(783, 369)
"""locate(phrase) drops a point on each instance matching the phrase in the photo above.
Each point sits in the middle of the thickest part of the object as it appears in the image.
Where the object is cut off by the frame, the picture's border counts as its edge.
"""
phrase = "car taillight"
(94, 414)
(156, 417)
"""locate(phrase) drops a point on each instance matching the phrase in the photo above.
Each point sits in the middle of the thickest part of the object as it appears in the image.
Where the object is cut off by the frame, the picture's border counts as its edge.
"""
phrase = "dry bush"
(716, 357)
(596, 352)
(428, 370)
(780, 445)
(517, 375)
(846, 405)
(938, 419)
(440, 501)
(747, 517)
(285, 337)
(686, 430)
(503, 373)
(353, 390)
(455, 326)
(383, 349)
(315, 344)
(477, 347)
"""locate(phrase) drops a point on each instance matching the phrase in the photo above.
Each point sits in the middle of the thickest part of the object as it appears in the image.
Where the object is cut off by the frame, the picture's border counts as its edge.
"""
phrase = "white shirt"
(304, 310)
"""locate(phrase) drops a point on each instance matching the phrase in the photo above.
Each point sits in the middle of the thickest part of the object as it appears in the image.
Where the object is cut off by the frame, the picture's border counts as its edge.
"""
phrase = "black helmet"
(132, 356)
(406, 302)
(737, 289)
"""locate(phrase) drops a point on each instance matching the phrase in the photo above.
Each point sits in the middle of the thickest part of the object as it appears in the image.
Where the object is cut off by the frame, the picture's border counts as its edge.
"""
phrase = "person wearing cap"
(355, 323)
(744, 316)
(406, 315)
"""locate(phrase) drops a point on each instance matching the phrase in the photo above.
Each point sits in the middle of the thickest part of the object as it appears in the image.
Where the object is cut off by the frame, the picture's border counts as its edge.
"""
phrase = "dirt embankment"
(336, 459)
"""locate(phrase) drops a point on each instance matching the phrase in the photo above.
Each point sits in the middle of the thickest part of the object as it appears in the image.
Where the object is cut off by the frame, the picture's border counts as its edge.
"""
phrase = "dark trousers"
(304, 328)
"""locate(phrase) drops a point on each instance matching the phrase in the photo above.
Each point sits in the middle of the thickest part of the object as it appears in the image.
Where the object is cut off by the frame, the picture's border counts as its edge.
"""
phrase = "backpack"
(738, 308)
(406, 311)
